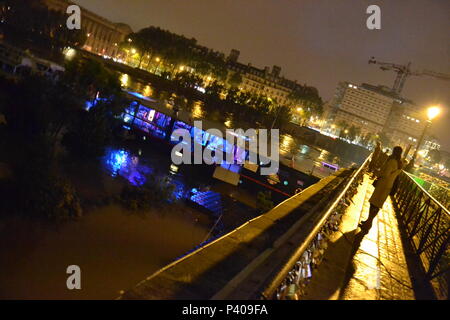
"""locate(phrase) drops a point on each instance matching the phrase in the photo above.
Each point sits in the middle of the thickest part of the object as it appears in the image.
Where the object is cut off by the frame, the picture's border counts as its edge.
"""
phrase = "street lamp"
(157, 59)
(432, 112)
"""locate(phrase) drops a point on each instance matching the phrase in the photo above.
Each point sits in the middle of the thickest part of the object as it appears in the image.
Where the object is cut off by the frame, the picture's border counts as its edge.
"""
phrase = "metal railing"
(291, 282)
(427, 226)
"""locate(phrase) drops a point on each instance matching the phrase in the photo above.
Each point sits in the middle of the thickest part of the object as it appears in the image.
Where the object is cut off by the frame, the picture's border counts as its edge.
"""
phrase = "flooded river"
(115, 248)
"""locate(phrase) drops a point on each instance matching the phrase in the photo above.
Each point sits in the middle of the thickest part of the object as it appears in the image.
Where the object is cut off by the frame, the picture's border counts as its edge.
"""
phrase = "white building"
(376, 110)
(103, 36)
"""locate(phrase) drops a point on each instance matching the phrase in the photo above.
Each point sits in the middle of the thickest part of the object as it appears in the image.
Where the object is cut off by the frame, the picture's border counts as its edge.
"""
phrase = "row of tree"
(179, 54)
(352, 133)
(174, 51)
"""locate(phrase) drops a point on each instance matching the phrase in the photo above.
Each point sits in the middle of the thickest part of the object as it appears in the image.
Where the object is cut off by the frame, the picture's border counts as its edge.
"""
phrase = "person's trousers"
(373, 211)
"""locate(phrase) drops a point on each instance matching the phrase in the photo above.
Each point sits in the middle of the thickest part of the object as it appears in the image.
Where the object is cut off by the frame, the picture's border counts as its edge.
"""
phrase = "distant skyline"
(320, 42)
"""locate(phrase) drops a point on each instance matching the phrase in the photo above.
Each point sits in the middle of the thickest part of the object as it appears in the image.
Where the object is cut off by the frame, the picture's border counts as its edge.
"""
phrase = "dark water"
(115, 248)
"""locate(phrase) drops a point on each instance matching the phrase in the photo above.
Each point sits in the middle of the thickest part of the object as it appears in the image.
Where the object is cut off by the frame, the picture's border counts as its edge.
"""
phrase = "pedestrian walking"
(383, 185)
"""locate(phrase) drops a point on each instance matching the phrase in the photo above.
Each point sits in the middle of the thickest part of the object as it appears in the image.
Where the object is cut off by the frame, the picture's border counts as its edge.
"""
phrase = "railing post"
(427, 226)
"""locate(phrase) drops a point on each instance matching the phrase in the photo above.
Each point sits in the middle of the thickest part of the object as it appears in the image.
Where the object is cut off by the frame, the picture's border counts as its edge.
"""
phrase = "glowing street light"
(422, 153)
(157, 59)
(69, 53)
(432, 112)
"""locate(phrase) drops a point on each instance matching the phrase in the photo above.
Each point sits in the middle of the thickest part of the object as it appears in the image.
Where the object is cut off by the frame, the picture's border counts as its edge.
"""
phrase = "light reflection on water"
(304, 157)
(120, 162)
(289, 145)
(197, 110)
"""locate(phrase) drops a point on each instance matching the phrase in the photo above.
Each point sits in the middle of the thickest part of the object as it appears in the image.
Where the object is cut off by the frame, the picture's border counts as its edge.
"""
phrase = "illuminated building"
(262, 81)
(103, 36)
(375, 110)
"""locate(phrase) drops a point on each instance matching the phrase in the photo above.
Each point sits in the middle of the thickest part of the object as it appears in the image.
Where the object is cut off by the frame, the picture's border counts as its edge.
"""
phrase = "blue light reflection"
(119, 162)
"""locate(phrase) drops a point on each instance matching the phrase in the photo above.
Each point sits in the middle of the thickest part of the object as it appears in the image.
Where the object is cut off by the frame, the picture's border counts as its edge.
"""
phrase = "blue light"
(286, 183)
(194, 190)
(209, 200)
(140, 96)
(115, 160)
(88, 105)
(120, 162)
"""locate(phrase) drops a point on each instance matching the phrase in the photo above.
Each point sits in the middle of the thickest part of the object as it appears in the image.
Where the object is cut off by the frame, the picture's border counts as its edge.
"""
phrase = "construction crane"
(404, 71)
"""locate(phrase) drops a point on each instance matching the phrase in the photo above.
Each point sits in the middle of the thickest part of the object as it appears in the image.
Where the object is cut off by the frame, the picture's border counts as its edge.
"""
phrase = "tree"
(367, 139)
(308, 98)
(353, 132)
(435, 155)
(447, 163)
(186, 79)
(343, 126)
(37, 109)
(90, 79)
(235, 80)
(384, 139)
(282, 115)
(89, 132)
(215, 89)
(175, 51)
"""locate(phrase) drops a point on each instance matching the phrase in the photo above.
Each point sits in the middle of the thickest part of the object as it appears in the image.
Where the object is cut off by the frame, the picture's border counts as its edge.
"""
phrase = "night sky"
(317, 42)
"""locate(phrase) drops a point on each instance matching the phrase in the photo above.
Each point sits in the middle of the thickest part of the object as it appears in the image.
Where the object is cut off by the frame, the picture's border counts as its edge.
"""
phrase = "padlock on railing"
(292, 292)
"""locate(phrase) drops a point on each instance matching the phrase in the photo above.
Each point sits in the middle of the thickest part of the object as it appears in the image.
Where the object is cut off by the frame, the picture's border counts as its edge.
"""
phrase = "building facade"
(376, 110)
(267, 82)
(103, 36)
